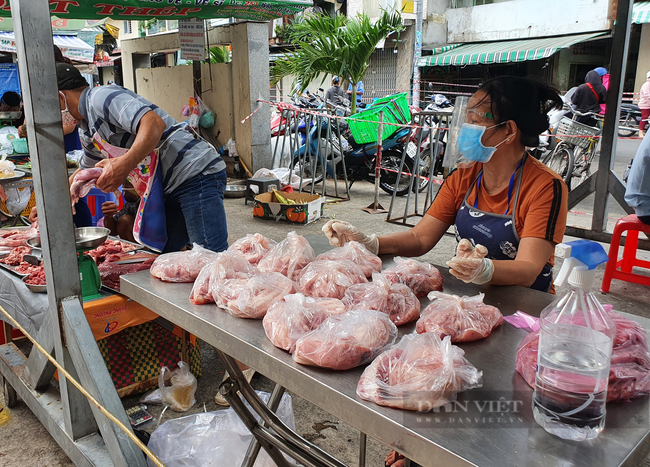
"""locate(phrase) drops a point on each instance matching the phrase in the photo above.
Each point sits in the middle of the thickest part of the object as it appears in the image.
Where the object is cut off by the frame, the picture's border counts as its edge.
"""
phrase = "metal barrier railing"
(423, 157)
(312, 147)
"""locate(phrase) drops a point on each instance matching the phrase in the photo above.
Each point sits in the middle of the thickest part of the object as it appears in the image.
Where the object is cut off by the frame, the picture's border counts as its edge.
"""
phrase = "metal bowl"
(90, 237)
(235, 191)
(85, 238)
(10, 115)
(35, 288)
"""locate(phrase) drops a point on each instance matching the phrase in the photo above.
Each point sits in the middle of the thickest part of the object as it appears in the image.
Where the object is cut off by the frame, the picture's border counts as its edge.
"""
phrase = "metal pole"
(380, 140)
(418, 52)
(362, 449)
(617, 64)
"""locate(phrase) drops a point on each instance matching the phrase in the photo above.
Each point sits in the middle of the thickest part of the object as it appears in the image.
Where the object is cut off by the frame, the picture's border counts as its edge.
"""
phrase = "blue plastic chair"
(95, 199)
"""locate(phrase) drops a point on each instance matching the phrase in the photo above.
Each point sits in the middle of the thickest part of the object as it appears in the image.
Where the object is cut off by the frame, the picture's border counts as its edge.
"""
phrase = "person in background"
(644, 105)
(10, 102)
(359, 93)
(120, 221)
(588, 98)
(637, 193)
(604, 76)
(333, 93)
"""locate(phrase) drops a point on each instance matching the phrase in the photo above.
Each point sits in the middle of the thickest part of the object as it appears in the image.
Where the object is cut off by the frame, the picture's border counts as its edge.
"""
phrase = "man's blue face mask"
(470, 145)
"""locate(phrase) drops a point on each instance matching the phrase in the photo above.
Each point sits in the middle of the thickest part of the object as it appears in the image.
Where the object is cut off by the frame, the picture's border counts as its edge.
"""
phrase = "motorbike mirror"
(321, 89)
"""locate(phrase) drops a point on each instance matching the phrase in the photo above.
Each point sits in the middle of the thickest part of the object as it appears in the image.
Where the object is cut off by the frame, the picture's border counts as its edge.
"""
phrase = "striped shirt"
(115, 113)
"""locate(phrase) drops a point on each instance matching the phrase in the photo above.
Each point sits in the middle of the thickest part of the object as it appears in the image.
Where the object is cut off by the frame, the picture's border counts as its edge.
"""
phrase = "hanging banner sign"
(192, 36)
(9, 80)
(7, 24)
(171, 9)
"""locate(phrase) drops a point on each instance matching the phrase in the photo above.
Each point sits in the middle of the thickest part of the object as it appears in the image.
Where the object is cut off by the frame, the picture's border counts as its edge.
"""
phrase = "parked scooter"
(324, 148)
(629, 120)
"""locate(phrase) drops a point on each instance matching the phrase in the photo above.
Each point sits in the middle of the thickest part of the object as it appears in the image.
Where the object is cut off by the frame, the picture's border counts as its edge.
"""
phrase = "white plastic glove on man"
(470, 264)
(341, 232)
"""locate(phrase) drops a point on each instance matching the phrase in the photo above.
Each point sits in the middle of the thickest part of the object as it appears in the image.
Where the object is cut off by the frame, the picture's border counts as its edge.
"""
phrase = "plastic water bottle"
(575, 348)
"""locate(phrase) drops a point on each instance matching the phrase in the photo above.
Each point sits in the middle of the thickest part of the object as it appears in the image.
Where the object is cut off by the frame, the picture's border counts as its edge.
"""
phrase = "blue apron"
(496, 232)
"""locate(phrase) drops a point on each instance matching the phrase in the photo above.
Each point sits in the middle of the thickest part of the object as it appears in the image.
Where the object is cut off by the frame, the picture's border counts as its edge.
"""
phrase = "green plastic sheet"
(169, 9)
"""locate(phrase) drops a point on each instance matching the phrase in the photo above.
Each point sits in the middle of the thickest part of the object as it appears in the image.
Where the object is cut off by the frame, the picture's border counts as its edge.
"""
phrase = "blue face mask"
(470, 145)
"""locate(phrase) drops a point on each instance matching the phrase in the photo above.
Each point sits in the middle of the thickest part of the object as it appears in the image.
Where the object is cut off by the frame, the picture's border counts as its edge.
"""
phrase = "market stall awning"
(58, 24)
(142, 9)
(641, 13)
(503, 52)
(71, 46)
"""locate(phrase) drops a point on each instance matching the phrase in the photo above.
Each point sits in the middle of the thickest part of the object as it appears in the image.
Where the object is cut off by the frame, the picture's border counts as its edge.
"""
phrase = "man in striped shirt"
(194, 175)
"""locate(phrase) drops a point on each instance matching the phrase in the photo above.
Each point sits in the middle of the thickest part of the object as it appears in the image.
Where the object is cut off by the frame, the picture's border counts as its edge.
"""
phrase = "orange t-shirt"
(541, 209)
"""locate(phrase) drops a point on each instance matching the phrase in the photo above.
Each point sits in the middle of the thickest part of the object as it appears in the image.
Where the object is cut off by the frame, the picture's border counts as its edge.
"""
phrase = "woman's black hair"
(524, 101)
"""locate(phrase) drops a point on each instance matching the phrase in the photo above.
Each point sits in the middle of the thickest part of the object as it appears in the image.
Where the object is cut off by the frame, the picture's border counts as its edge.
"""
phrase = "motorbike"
(629, 120)
(324, 151)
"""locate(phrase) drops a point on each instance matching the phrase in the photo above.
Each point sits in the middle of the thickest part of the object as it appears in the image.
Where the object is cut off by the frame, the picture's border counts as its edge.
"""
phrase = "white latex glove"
(341, 232)
(470, 264)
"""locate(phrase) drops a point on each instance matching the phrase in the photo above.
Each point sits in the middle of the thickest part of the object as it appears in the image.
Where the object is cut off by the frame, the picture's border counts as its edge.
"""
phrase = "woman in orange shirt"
(508, 209)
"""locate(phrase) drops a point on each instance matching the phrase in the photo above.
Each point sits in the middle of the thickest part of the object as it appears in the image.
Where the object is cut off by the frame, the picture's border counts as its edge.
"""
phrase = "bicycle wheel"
(390, 162)
(561, 162)
(627, 126)
(581, 168)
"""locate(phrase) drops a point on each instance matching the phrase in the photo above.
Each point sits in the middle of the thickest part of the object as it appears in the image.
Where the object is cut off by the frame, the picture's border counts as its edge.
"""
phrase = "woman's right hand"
(341, 232)
(33, 215)
(109, 209)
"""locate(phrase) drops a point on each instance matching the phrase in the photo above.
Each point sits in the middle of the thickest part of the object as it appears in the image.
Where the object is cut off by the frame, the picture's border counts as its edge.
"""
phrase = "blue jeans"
(195, 213)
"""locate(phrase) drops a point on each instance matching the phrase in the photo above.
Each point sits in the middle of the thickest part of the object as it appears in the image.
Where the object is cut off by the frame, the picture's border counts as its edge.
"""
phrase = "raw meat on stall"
(396, 300)
(110, 272)
(16, 238)
(358, 254)
(288, 257)
(37, 276)
(15, 256)
(227, 265)
(182, 266)
(346, 341)
(629, 370)
(421, 373)
(330, 279)
(254, 247)
(464, 319)
(83, 182)
(288, 320)
(251, 298)
(27, 268)
(422, 278)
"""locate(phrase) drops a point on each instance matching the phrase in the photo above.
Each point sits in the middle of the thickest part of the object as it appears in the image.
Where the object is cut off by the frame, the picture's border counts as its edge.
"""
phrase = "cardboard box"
(268, 207)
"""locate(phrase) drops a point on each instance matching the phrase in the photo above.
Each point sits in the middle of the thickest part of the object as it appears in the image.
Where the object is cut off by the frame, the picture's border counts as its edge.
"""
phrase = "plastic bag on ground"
(182, 266)
(227, 265)
(251, 298)
(178, 387)
(421, 373)
(285, 175)
(464, 319)
(346, 341)
(358, 254)
(330, 279)
(396, 300)
(422, 278)
(253, 247)
(290, 319)
(629, 370)
(288, 257)
(214, 438)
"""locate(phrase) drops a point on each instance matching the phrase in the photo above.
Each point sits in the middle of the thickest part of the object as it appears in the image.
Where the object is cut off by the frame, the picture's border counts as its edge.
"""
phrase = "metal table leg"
(274, 436)
(254, 448)
(362, 449)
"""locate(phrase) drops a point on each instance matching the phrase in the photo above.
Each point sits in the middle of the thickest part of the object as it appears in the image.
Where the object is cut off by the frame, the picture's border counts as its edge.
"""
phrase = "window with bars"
(127, 27)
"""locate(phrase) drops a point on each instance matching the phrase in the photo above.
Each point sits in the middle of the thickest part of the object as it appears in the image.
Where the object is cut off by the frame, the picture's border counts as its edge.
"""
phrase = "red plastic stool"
(633, 226)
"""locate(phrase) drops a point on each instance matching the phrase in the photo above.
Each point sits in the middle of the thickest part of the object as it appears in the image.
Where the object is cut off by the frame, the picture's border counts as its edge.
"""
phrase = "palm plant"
(334, 45)
(219, 54)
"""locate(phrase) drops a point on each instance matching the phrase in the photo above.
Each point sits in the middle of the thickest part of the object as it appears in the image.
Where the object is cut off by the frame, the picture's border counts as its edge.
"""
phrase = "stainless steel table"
(491, 426)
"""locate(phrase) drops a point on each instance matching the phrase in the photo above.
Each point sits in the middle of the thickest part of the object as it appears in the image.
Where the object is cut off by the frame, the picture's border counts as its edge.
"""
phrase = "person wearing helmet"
(588, 98)
(644, 105)
(333, 93)
(602, 71)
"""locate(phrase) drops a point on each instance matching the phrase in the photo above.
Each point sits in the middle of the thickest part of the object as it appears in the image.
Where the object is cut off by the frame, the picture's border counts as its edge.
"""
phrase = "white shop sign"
(192, 36)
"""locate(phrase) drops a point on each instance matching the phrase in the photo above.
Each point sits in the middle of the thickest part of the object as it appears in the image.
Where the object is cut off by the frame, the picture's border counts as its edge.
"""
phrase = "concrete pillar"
(250, 70)
(643, 63)
(405, 59)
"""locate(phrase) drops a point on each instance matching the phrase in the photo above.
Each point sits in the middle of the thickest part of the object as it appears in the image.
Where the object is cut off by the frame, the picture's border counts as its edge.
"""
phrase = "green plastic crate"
(365, 125)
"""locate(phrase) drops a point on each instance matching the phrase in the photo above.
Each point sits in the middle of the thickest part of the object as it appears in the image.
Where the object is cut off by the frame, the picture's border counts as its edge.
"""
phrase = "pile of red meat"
(464, 319)
(15, 238)
(422, 372)
(420, 277)
(36, 276)
(110, 272)
(111, 250)
(254, 247)
(15, 256)
(629, 371)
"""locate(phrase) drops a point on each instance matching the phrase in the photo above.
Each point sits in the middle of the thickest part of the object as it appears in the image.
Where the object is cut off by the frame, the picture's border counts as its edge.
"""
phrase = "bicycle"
(573, 155)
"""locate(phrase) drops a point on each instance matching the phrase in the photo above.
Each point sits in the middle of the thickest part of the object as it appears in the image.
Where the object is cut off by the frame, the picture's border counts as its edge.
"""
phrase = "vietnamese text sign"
(192, 36)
